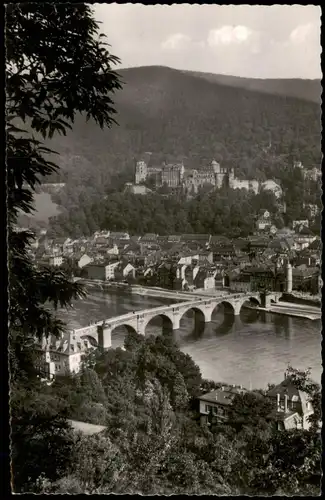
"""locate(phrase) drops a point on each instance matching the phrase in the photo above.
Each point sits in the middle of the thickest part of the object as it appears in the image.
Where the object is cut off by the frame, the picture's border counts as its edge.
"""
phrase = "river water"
(252, 349)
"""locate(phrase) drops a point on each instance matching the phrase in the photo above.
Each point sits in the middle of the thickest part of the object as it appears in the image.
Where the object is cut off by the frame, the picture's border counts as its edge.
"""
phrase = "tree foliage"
(154, 443)
(57, 65)
(47, 84)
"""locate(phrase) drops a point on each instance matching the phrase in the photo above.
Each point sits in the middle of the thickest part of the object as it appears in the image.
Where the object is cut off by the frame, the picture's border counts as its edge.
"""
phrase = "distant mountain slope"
(177, 114)
(310, 90)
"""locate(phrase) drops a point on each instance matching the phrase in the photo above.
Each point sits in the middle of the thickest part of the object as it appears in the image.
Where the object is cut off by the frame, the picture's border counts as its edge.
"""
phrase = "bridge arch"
(91, 339)
(166, 320)
(201, 316)
(120, 331)
(253, 300)
(127, 327)
(228, 307)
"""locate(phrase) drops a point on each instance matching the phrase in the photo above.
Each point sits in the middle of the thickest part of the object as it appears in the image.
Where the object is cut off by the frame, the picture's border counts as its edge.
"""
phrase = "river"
(252, 349)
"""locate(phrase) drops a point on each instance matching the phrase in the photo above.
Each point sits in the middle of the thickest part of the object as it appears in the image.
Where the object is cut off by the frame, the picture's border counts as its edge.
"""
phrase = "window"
(208, 408)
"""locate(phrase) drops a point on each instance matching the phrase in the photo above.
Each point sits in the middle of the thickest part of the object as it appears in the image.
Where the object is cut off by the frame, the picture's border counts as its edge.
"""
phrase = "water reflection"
(249, 315)
(229, 323)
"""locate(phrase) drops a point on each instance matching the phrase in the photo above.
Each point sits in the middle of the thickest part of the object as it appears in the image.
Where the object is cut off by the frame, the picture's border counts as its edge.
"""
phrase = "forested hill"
(310, 90)
(177, 114)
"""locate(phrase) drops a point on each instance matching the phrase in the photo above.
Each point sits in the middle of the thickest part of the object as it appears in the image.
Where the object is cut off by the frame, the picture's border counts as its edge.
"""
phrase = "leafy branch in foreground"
(56, 67)
(48, 81)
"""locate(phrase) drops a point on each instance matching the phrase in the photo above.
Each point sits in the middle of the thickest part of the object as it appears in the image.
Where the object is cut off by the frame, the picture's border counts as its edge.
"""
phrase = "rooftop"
(224, 395)
(195, 237)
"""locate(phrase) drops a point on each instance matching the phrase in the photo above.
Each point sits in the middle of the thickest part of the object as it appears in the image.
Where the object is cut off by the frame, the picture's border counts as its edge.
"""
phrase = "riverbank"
(147, 291)
(292, 309)
(300, 298)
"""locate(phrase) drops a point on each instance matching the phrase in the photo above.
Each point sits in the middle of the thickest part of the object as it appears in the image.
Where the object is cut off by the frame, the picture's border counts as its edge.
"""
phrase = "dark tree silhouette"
(57, 65)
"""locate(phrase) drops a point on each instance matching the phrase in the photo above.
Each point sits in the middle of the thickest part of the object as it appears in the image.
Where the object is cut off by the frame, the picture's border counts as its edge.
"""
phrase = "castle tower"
(182, 171)
(141, 171)
(216, 166)
(288, 277)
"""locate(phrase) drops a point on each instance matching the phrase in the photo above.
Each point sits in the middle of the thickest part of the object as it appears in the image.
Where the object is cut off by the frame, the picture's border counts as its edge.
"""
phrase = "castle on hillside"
(174, 175)
(313, 174)
(171, 174)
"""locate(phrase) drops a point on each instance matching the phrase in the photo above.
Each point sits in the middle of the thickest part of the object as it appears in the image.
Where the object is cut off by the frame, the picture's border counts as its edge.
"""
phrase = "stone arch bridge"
(171, 315)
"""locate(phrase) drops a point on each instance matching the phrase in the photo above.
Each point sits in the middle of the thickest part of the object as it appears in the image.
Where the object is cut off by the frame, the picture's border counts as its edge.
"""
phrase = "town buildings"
(192, 261)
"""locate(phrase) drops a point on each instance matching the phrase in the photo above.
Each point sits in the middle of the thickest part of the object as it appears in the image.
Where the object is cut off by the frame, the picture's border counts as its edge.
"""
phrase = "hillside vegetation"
(310, 90)
(177, 114)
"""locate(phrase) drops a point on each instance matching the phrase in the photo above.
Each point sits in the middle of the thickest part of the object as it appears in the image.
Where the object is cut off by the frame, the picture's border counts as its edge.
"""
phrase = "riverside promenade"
(293, 309)
(158, 292)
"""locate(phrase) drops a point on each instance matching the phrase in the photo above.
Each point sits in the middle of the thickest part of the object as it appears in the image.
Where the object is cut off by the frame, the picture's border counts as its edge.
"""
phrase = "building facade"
(172, 175)
(141, 172)
(61, 357)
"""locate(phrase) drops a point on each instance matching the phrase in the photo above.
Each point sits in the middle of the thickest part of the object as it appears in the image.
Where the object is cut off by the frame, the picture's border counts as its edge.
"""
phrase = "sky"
(278, 41)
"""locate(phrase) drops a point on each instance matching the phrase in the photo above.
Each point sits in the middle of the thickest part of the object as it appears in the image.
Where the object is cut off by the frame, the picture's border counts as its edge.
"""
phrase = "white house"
(113, 250)
(56, 260)
(263, 220)
(61, 356)
(292, 407)
(305, 237)
(180, 273)
(104, 233)
(187, 258)
(84, 260)
(270, 185)
(110, 270)
(127, 270)
(300, 223)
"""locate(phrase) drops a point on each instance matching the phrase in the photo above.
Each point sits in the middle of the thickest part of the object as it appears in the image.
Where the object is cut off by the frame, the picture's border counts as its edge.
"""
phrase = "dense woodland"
(217, 211)
(178, 115)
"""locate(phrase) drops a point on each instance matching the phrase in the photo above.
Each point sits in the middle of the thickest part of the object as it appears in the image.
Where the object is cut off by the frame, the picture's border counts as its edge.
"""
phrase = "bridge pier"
(237, 307)
(141, 327)
(266, 300)
(104, 336)
(176, 322)
(208, 310)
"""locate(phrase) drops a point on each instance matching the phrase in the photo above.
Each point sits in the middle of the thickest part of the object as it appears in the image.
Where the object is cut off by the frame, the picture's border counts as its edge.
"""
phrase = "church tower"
(288, 277)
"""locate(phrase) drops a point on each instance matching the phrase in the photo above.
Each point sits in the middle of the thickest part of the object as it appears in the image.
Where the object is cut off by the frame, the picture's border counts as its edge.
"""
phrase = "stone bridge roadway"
(171, 315)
